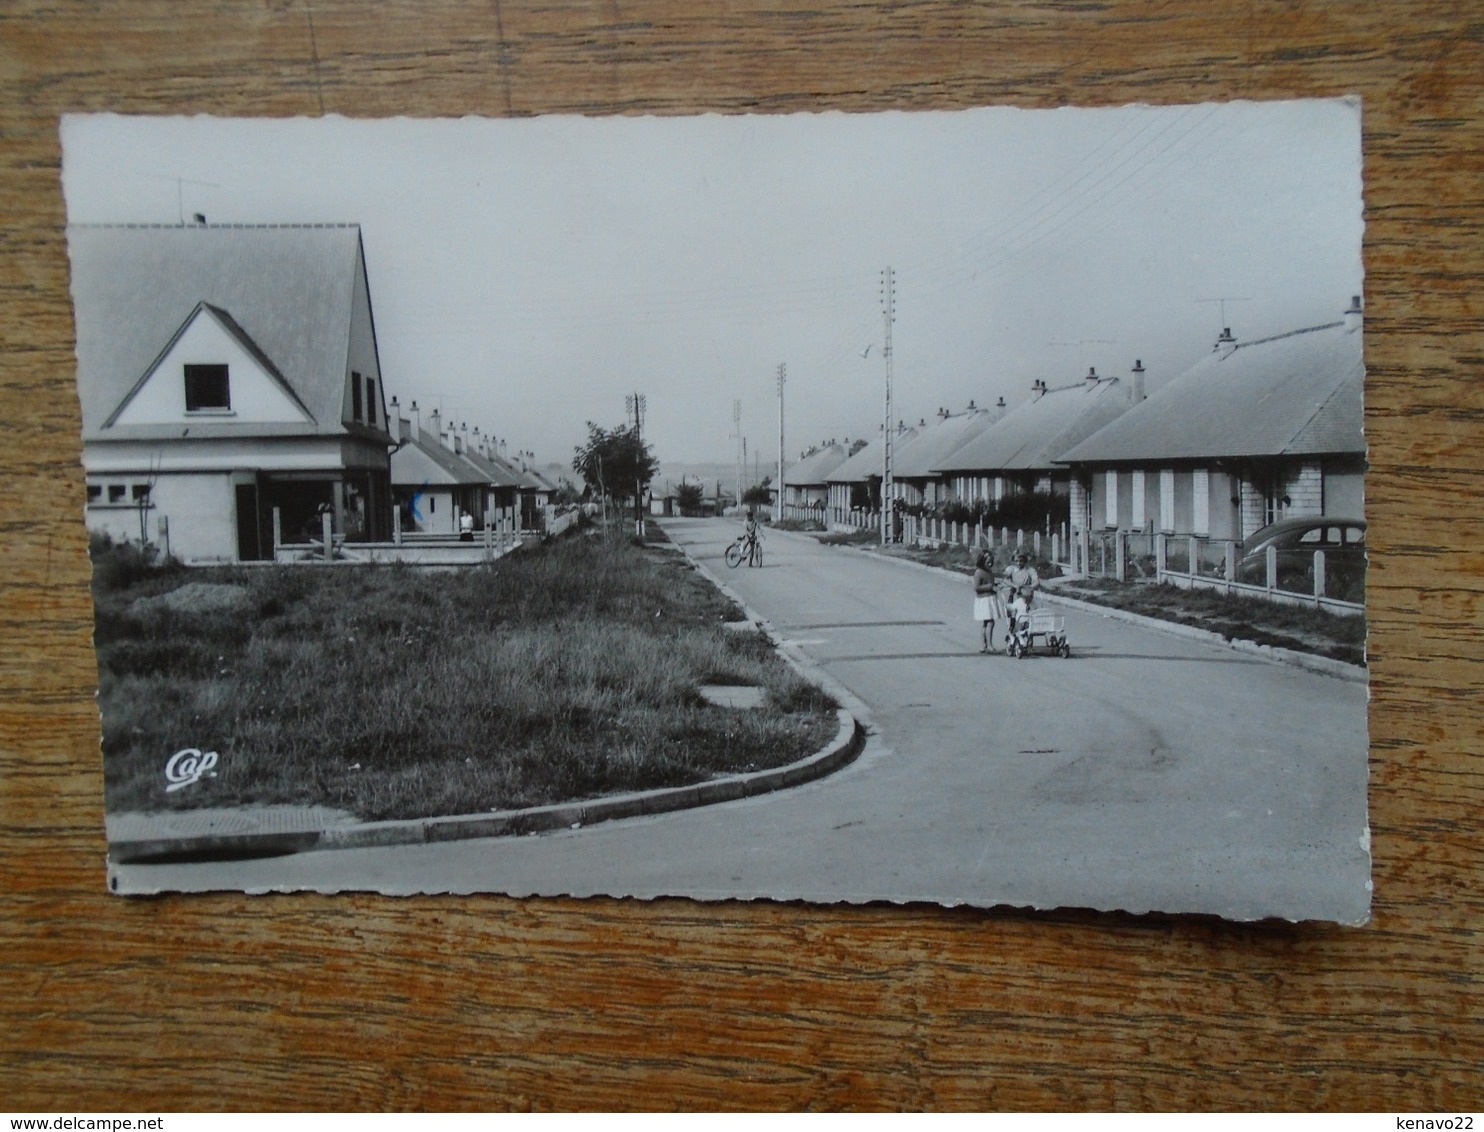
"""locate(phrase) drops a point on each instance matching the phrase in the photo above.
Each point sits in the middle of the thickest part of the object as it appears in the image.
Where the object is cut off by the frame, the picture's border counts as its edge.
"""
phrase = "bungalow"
(483, 451)
(915, 478)
(855, 485)
(1018, 453)
(225, 373)
(435, 479)
(1253, 433)
(806, 483)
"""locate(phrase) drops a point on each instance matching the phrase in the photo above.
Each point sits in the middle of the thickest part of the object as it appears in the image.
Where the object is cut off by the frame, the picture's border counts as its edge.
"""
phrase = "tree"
(757, 495)
(688, 497)
(614, 460)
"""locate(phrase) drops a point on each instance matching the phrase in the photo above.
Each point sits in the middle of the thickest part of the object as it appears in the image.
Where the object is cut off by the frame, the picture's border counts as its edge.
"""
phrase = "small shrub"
(120, 565)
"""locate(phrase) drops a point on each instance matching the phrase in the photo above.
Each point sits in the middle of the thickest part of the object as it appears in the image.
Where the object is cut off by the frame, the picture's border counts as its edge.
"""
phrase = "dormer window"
(207, 389)
(355, 396)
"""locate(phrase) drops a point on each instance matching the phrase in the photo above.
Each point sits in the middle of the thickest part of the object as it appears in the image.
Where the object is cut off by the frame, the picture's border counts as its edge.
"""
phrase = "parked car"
(1296, 540)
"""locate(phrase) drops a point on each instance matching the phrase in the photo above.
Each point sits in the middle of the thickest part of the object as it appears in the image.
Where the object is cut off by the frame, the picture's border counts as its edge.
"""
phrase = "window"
(95, 493)
(1274, 501)
(140, 492)
(370, 400)
(207, 389)
(355, 395)
(1110, 498)
(1201, 501)
(1137, 522)
(115, 493)
(1167, 500)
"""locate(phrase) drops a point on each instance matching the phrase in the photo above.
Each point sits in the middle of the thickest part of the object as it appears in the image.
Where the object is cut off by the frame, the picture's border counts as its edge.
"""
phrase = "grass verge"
(566, 672)
(1234, 616)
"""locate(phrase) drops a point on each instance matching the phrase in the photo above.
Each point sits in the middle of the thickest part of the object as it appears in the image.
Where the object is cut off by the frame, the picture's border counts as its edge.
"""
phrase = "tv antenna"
(1223, 300)
(180, 183)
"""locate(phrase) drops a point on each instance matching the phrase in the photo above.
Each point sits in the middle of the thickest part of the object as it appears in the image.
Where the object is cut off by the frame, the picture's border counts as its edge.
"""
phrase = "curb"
(502, 823)
(1323, 665)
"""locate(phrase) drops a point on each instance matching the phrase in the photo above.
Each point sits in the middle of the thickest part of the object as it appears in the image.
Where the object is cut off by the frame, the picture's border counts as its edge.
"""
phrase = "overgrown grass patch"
(1234, 616)
(567, 672)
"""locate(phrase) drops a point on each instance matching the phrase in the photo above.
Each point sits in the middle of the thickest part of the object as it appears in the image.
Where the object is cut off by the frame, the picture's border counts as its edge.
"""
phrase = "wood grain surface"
(358, 1002)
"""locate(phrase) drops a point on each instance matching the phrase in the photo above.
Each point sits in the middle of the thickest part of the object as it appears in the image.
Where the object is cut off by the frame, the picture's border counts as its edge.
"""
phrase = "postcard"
(962, 507)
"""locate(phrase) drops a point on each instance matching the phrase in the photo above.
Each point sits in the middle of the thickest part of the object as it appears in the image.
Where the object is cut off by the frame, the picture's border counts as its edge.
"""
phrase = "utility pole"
(741, 451)
(636, 404)
(888, 316)
(778, 505)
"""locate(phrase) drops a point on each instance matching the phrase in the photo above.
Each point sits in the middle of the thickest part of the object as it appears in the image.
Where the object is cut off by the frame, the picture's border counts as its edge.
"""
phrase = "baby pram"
(1029, 626)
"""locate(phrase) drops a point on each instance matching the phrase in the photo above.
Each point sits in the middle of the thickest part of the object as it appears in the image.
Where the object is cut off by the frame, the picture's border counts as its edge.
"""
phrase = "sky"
(529, 275)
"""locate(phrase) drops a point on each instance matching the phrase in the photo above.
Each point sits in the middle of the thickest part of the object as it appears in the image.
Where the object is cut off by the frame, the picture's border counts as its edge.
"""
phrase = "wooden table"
(359, 1002)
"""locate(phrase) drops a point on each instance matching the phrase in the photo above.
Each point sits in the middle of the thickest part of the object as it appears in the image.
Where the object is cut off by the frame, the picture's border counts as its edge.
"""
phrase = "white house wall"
(256, 397)
(201, 510)
(1198, 501)
(297, 454)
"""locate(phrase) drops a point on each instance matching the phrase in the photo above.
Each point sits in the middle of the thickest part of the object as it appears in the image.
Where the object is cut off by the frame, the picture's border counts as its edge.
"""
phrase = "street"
(1149, 772)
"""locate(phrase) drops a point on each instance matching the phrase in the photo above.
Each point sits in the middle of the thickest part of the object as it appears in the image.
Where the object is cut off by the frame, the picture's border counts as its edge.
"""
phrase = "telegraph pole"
(635, 403)
(888, 316)
(741, 456)
(778, 506)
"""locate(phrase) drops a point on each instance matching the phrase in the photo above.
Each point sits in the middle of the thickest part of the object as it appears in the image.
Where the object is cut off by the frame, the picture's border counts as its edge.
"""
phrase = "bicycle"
(745, 549)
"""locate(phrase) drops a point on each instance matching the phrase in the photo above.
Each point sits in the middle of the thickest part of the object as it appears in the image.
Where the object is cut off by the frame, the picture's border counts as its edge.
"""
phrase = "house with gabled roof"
(1253, 433)
(915, 476)
(1018, 453)
(228, 374)
(855, 485)
(436, 480)
(806, 482)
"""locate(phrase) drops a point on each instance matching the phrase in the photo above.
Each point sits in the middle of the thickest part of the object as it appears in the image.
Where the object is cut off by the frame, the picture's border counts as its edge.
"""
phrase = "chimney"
(403, 429)
(200, 219)
(435, 419)
(971, 408)
(1136, 385)
(1092, 375)
(417, 421)
(1226, 343)
(1000, 408)
(1354, 316)
(1038, 387)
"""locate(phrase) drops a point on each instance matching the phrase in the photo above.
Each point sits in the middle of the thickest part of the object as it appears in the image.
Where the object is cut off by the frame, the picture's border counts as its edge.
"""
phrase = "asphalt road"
(1148, 772)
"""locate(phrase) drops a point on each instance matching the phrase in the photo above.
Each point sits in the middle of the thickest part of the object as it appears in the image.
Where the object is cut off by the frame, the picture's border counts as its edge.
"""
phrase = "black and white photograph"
(962, 507)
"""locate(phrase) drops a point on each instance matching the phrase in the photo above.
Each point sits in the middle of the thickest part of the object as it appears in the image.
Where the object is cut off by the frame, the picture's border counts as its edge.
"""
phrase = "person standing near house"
(466, 526)
(987, 605)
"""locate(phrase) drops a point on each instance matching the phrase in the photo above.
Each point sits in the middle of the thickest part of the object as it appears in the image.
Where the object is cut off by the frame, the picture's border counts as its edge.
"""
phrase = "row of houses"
(229, 377)
(1255, 432)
